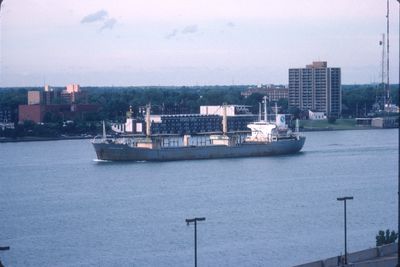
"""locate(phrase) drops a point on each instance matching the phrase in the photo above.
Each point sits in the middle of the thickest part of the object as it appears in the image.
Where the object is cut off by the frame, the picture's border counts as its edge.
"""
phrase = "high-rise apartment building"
(316, 87)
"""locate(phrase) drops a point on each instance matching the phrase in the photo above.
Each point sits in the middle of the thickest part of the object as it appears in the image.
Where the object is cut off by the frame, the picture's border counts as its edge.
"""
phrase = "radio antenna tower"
(382, 95)
(387, 95)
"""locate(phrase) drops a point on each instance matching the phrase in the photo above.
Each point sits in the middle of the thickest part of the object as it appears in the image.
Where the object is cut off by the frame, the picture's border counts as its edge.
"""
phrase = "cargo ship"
(265, 139)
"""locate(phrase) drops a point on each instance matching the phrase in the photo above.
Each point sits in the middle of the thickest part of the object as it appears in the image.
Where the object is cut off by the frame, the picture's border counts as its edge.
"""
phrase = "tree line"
(115, 101)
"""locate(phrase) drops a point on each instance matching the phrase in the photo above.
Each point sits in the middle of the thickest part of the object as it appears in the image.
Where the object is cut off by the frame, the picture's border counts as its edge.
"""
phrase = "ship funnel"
(224, 121)
(148, 122)
(280, 121)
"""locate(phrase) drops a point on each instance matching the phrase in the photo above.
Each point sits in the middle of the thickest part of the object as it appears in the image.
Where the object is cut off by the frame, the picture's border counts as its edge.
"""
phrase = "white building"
(316, 115)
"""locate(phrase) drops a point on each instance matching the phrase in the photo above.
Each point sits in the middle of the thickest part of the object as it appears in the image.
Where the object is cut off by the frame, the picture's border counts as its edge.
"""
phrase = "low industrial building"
(39, 113)
(185, 124)
(208, 121)
(385, 122)
(312, 115)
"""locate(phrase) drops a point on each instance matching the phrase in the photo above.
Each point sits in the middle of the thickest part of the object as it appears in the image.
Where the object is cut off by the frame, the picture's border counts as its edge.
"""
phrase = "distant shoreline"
(40, 139)
(338, 129)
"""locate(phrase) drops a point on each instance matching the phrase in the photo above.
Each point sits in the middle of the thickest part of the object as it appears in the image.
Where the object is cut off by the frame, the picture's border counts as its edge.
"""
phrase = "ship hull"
(123, 152)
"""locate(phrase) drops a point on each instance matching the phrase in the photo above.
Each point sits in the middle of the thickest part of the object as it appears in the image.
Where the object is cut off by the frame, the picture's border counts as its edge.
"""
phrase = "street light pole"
(345, 226)
(195, 220)
(398, 192)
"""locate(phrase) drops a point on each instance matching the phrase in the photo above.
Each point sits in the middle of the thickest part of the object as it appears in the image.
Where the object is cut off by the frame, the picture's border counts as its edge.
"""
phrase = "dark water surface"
(59, 207)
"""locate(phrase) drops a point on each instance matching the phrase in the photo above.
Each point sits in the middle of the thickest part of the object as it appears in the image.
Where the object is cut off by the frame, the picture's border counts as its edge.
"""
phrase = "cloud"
(98, 16)
(190, 29)
(101, 15)
(230, 24)
(171, 34)
(108, 24)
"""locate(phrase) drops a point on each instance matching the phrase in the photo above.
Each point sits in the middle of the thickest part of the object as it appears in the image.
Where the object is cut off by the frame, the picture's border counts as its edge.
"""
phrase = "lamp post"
(398, 197)
(398, 192)
(345, 226)
(188, 222)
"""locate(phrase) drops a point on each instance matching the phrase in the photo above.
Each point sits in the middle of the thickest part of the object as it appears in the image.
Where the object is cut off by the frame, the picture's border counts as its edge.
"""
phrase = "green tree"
(283, 103)
(295, 111)
(331, 119)
(387, 237)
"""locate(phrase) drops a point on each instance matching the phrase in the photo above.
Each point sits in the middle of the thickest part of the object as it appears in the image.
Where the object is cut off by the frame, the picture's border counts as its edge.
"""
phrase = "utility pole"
(383, 94)
(188, 222)
(345, 226)
(387, 55)
(398, 192)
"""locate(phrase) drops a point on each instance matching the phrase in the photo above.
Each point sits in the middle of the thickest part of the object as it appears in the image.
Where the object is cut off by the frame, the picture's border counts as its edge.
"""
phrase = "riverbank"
(385, 255)
(315, 129)
(349, 124)
(323, 125)
(35, 138)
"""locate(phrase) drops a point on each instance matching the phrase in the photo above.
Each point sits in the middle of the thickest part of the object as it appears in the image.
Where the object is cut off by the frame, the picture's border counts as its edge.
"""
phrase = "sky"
(187, 42)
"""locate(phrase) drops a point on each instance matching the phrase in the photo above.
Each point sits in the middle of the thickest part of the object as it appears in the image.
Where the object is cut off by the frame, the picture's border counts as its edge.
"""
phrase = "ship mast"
(224, 121)
(104, 131)
(148, 122)
(265, 108)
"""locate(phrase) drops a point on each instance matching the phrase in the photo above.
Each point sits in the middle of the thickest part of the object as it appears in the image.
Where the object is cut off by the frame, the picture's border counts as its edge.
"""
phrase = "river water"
(59, 207)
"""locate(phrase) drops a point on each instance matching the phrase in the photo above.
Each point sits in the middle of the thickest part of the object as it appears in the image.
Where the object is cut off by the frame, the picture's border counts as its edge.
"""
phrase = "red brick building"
(37, 113)
(43, 105)
(273, 92)
(30, 113)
